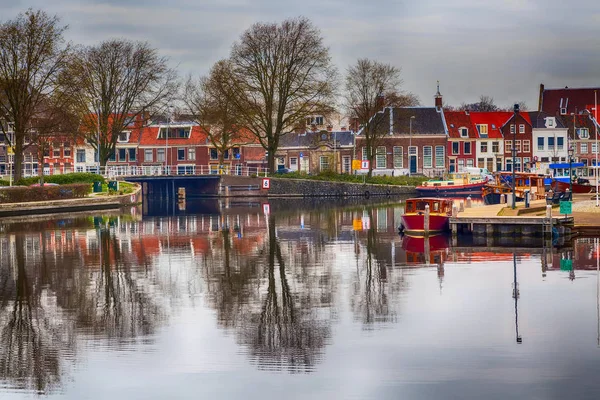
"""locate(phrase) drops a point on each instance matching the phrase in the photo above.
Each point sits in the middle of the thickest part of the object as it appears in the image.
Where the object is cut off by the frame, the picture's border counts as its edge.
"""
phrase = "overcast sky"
(501, 48)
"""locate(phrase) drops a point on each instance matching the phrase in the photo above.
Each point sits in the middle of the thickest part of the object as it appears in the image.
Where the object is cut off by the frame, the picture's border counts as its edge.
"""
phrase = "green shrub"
(19, 194)
(64, 179)
(4, 183)
(381, 180)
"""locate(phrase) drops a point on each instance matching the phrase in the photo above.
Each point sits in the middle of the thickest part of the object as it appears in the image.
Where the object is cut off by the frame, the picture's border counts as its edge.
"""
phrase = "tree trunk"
(18, 156)
(221, 161)
(271, 160)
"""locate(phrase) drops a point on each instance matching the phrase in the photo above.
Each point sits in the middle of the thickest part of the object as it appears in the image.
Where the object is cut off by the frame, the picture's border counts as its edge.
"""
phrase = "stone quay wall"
(314, 188)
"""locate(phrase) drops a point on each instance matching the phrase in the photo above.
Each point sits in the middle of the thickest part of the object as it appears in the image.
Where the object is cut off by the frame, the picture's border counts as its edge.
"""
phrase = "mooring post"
(426, 220)
(454, 211)
(462, 206)
(502, 198)
(469, 200)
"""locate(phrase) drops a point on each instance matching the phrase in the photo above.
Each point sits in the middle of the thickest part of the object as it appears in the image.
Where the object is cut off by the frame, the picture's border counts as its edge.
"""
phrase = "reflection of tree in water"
(119, 302)
(33, 337)
(285, 325)
(53, 292)
(376, 285)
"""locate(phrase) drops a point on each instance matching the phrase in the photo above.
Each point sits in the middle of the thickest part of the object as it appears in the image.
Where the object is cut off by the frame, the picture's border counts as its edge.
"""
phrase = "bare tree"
(32, 54)
(370, 87)
(211, 106)
(485, 103)
(282, 73)
(120, 82)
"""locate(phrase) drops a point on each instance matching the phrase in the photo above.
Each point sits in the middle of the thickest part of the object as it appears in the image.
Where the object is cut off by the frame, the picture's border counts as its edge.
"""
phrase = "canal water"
(291, 299)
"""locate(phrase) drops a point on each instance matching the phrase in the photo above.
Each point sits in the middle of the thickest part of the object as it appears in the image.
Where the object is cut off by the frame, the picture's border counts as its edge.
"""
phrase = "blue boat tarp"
(566, 165)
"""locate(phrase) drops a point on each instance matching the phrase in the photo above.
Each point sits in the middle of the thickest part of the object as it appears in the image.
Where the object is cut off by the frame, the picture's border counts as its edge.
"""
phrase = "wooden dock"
(498, 220)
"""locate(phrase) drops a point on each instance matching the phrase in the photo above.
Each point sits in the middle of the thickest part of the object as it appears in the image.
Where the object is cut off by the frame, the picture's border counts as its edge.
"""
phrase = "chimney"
(541, 98)
(438, 98)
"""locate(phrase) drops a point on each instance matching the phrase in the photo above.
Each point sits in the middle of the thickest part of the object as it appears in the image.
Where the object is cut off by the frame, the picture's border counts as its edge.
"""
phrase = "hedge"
(20, 194)
(4, 183)
(63, 179)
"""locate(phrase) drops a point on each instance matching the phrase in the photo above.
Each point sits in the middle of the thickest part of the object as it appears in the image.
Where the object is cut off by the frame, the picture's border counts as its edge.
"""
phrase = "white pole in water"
(426, 220)
(596, 126)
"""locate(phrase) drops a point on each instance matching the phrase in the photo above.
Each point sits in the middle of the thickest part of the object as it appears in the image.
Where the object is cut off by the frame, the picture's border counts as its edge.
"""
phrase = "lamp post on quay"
(514, 154)
(410, 144)
(571, 151)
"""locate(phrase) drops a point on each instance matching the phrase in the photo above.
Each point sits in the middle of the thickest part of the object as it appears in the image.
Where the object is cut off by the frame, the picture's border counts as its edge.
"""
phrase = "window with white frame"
(507, 146)
(160, 155)
(461, 164)
(67, 149)
(191, 154)
(518, 146)
(324, 163)
(80, 155)
(560, 143)
(583, 148)
(540, 143)
(467, 148)
(214, 155)
(464, 132)
(512, 128)
(469, 162)
(521, 128)
(594, 148)
(481, 163)
(484, 147)
(132, 154)
(380, 158)
(526, 146)
(495, 147)
(56, 150)
(440, 159)
(346, 164)
(483, 130)
(427, 157)
(398, 159)
(122, 154)
(551, 143)
(583, 133)
(364, 154)
(123, 137)
(455, 148)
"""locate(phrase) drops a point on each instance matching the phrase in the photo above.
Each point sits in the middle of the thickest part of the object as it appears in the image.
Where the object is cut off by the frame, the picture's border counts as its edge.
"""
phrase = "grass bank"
(403, 180)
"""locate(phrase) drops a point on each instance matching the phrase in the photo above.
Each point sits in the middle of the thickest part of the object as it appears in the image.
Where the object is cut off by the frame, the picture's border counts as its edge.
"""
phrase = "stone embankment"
(70, 205)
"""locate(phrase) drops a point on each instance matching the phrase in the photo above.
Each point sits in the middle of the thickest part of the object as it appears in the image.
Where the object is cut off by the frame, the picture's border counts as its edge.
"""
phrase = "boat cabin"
(436, 206)
(560, 171)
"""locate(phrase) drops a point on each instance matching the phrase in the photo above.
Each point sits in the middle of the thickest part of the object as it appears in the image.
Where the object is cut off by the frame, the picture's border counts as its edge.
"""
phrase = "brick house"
(565, 101)
(520, 135)
(582, 139)
(316, 151)
(462, 147)
(415, 141)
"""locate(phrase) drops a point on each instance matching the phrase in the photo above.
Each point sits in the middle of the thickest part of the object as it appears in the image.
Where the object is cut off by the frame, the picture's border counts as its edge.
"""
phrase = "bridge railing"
(116, 171)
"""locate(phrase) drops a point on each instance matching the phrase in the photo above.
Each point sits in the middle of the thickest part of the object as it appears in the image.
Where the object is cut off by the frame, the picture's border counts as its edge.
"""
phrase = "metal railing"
(117, 171)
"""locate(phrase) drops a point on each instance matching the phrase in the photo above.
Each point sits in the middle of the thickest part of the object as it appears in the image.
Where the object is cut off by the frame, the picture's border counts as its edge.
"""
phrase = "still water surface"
(308, 302)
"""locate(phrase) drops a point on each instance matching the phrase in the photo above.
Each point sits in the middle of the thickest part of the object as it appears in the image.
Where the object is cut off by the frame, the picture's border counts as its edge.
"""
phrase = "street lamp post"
(99, 105)
(571, 150)
(514, 155)
(410, 142)
(167, 140)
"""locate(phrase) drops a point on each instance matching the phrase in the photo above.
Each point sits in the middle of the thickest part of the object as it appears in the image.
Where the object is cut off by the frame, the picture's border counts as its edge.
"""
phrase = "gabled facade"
(518, 134)
(490, 152)
(316, 151)
(549, 141)
(462, 141)
(583, 139)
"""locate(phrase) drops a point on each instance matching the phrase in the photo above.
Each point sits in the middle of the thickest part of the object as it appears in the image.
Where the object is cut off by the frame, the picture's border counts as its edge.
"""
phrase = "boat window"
(437, 184)
(421, 205)
(450, 183)
(409, 207)
(436, 206)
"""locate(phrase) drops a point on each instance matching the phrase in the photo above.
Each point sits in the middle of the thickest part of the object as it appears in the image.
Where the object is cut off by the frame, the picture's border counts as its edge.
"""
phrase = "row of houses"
(415, 140)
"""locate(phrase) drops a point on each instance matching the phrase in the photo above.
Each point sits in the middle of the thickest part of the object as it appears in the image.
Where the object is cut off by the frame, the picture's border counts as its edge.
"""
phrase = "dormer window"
(175, 132)
(583, 133)
(550, 122)
(464, 132)
(123, 137)
(316, 120)
(564, 103)
(483, 130)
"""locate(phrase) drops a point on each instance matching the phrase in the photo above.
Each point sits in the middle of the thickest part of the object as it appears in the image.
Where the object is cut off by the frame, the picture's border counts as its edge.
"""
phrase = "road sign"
(266, 208)
(364, 164)
(266, 183)
(566, 207)
(301, 155)
(355, 164)
(357, 224)
(366, 223)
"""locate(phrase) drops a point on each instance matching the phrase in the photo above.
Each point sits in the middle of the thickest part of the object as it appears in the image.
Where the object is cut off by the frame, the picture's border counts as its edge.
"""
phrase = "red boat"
(413, 219)
(560, 186)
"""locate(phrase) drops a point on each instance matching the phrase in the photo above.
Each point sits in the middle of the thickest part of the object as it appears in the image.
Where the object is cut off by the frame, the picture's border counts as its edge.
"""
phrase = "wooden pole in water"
(426, 221)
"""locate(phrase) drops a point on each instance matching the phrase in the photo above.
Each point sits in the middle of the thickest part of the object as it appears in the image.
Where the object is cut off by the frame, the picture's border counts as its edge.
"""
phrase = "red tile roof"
(459, 119)
(494, 120)
(149, 136)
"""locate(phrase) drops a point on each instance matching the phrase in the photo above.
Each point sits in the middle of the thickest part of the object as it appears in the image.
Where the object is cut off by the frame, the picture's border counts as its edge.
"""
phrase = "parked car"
(283, 171)
(45, 184)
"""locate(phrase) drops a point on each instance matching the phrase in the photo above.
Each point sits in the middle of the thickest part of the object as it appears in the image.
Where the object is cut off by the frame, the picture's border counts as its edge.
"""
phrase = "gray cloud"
(503, 48)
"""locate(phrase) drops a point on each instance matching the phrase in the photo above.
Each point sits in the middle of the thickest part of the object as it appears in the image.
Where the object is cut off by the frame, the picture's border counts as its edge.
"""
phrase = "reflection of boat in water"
(524, 182)
(462, 183)
(425, 250)
(413, 219)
